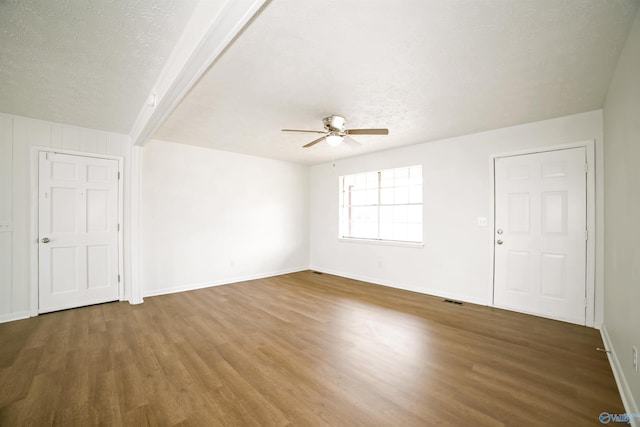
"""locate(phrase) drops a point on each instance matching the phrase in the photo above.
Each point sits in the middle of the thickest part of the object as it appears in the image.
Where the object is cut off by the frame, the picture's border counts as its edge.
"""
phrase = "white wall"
(456, 260)
(210, 217)
(17, 136)
(622, 212)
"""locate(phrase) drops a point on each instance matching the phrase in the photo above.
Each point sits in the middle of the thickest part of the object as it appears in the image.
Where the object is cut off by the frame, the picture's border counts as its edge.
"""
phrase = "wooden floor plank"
(301, 349)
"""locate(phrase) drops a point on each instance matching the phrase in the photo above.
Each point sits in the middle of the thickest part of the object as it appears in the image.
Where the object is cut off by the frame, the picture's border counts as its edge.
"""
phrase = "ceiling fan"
(335, 132)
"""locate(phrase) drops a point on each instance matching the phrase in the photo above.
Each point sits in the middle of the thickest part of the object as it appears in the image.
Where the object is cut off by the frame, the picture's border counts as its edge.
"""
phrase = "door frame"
(589, 146)
(35, 209)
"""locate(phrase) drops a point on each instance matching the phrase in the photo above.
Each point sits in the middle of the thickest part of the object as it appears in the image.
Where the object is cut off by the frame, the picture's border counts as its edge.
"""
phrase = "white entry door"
(78, 231)
(540, 234)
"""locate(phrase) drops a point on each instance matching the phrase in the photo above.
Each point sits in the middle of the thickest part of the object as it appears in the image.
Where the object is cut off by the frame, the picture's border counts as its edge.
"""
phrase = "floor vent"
(450, 301)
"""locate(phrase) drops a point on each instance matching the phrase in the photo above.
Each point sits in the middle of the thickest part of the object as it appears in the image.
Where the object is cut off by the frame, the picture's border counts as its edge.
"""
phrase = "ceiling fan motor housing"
(334, 123)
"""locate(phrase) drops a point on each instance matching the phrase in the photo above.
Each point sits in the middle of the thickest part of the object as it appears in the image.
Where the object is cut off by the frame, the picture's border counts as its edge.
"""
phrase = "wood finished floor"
(301, 349)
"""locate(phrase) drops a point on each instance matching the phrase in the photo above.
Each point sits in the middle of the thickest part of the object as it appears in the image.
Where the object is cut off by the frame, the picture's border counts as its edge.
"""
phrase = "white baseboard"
(403, 286)
(227, 281)
(597, 325)
(623, 387)
(18, 315)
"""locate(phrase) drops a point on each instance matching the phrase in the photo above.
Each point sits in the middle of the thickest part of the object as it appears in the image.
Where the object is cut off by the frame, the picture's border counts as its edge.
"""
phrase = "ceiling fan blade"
(308, 131)
(315, 141)
(352, 143)
(367, 131)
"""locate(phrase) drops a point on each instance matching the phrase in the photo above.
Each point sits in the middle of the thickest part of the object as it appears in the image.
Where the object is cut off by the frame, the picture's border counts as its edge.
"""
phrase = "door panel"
(98, 261)
(78, 231)
(63, 219)
(554, 212)
(540, 246)
(553, 275)
(518, 271)
(64, 267)
(519, 208)
(97, 210)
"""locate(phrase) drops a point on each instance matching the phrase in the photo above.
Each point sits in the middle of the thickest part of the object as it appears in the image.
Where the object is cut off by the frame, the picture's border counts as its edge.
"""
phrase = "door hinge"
(586, 167)
(118, 227)
(586, 234)
(118, 278)
(586, 302)
(118, 175)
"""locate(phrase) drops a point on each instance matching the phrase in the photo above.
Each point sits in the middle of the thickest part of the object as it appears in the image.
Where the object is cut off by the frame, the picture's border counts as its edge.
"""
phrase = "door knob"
(45, 240)
(499, 242)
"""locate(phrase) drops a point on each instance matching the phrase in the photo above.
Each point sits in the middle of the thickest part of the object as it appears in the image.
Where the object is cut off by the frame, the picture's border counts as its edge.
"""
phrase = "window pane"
(372, 214)
(358, 198)
(364, 230)
(399, 231)
(401, 195)
(372, 197)
(386, 178)
(386, 214)
(386, 196)
(414, 232)
(415, 194)
(415, 175)
(400, 213)
(357, 229)
(414, 214)
(401, 173)
(386, 231)
(401, 177)
(372, 180)
(384, 205)
(358, 214)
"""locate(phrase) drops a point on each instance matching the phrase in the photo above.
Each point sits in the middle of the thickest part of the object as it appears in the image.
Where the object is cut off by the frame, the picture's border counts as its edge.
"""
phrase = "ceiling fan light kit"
(335, 132)
(334, 139)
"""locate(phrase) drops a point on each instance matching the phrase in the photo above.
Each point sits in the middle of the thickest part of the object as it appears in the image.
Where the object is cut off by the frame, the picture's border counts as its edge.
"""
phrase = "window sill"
(381, 242)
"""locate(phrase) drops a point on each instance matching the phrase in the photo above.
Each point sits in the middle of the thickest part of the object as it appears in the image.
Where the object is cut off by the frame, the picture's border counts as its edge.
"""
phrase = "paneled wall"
(17, 136)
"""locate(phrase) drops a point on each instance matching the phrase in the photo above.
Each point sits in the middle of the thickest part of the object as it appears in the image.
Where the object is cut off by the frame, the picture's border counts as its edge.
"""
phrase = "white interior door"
(78, 231)
(540, 234)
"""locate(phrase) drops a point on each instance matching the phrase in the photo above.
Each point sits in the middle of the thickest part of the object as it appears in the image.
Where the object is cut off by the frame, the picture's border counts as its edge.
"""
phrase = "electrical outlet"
(634, 358)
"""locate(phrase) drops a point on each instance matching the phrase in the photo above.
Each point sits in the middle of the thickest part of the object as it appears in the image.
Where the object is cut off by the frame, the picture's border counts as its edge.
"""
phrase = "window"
(384, 205)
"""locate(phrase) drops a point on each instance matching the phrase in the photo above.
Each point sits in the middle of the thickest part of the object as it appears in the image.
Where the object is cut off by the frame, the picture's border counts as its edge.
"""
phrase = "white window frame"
(344, 206)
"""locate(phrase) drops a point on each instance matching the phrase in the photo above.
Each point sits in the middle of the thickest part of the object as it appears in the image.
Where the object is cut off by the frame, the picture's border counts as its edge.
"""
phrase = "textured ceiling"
(424, 69)
(90, 63)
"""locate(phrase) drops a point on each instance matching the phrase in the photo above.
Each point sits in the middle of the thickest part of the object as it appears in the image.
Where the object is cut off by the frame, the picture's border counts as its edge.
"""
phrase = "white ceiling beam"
(209, 31)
